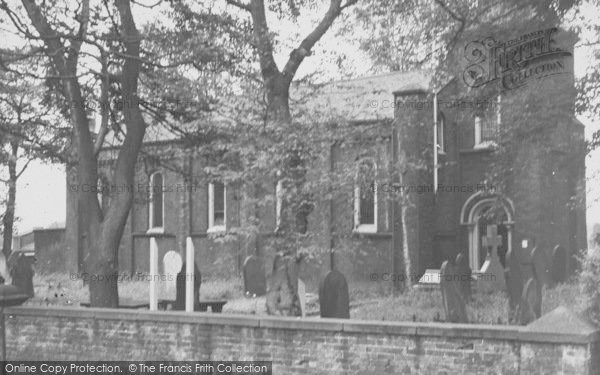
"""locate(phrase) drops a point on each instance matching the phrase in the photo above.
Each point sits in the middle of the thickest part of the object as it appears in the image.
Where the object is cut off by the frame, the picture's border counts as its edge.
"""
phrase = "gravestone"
(180, 287)
(531, 302)
(302, 297)
(255, 281)
(514, 285)
(171, 266)
(282, 292)
(491, 275)
(452, 297)
(558, 265)
(333, 296)
(464, 271)
(538, 265)
(431, 278)
(21, 273)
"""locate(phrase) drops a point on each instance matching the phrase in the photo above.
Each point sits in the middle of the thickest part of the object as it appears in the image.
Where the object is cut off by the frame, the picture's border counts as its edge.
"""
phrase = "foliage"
(589, 280)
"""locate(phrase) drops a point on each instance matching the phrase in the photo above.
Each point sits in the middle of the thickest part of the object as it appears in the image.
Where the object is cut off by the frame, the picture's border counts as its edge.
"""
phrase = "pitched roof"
(363, 99)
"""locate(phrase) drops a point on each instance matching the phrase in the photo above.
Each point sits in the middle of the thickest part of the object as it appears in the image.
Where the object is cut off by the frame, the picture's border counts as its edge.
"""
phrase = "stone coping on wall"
(351, 326)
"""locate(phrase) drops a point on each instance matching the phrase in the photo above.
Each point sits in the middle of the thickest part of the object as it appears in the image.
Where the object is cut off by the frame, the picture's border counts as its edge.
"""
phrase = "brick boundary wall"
(307, 346)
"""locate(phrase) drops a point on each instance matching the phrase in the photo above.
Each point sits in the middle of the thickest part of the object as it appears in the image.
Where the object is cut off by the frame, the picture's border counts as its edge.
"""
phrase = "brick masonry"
(307, 346)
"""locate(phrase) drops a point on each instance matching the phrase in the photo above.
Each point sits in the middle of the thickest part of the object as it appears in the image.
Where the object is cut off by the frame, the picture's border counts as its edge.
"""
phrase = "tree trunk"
(104, 231)
(9, 215)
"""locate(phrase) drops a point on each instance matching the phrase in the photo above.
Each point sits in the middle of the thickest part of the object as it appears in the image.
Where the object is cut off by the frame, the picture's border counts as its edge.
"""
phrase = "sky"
(41, 190)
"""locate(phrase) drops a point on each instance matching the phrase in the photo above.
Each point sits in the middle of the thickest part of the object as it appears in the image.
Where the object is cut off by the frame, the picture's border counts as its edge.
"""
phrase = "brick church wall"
(307, 346)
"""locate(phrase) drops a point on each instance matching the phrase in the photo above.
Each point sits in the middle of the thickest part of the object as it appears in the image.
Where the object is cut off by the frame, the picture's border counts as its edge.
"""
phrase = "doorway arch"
(477, 213)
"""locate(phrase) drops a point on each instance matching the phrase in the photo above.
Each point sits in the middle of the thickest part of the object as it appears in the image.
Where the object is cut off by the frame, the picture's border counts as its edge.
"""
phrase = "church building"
(438, 162)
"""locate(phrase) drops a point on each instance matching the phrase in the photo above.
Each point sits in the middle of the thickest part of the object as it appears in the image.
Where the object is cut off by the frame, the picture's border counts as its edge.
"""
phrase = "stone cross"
(492, 241)
(491, 275)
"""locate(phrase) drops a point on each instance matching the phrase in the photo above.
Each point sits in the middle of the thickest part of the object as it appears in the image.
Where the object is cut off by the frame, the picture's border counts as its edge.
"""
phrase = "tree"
(96, 59)
(27, 132)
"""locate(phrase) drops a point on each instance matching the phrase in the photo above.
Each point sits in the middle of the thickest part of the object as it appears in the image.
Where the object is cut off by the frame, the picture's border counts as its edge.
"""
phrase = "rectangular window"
(156, 202)
(487, 125)
(216, 207)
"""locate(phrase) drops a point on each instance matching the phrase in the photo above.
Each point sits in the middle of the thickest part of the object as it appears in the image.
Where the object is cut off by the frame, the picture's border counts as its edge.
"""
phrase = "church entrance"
(480, 214)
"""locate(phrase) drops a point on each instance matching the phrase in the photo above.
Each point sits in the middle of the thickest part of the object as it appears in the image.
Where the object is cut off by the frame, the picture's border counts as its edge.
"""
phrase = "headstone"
(514, 285)
(558, 265)
(22, 274)
(538, 264)
(528, 245)
(491, 276)
(172, 263)
(333, 296)
(464, 271)
(431, 277)
(452, 297)
(255, 281)
(180, 287)
(282, 292)
(302, 297)
(531, 302)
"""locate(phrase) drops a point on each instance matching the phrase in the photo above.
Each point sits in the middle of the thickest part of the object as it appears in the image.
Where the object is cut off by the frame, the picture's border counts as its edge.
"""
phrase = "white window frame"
(151, 227)
(480, 143)
(365, 228)
(212, 228)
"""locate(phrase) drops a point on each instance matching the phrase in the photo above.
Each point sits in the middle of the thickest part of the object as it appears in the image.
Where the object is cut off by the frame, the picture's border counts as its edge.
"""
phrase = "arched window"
(217, 206)
(365, 197)
(156, 203)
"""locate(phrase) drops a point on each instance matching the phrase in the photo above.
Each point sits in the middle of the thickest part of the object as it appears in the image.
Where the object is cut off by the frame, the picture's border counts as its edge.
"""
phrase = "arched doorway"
(477, 214)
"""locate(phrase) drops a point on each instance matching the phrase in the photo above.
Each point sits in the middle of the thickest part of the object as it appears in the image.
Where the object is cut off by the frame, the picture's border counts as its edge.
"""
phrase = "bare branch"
(240, 5)
(298, 55)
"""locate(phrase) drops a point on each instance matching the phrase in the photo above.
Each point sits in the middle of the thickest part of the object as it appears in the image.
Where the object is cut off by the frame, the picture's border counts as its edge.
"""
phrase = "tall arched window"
(156, 203)
(365, 197)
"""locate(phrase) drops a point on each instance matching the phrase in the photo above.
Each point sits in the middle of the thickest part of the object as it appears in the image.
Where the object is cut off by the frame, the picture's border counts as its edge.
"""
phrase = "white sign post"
(153, 274)
(189, 275)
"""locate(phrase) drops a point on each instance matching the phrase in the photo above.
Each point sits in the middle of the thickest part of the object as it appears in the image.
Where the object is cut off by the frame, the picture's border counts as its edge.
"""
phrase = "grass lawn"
(368, 301)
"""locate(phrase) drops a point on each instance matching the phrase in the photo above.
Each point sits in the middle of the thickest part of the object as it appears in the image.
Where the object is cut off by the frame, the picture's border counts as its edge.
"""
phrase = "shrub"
(590, 284)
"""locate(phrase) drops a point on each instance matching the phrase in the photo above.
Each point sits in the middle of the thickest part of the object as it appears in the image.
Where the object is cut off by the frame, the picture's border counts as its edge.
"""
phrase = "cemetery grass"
(421, 305)
(368, 301)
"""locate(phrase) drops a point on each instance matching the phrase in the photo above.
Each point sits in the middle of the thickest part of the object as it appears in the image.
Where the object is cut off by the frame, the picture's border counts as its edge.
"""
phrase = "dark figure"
(180, 287)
